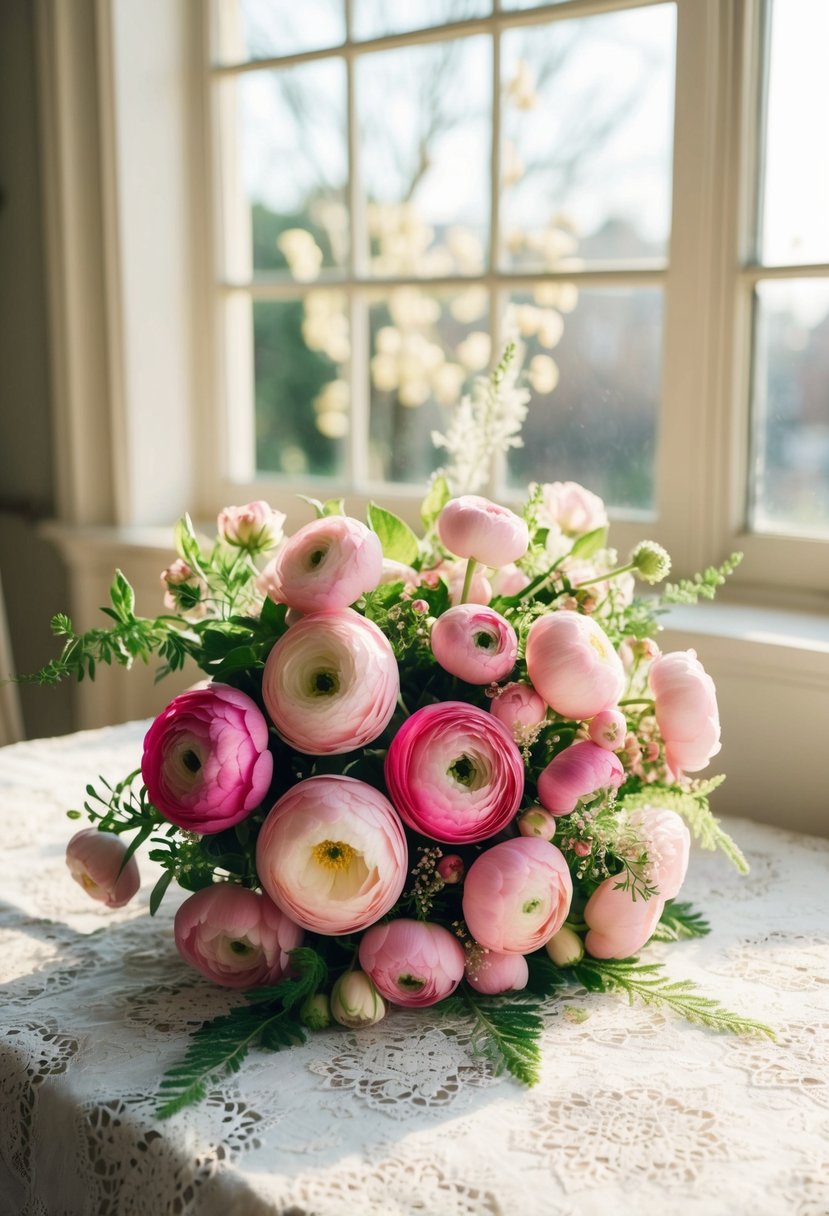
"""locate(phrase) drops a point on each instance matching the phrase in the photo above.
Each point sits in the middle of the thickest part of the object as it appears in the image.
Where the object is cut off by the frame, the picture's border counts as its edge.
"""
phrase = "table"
(636, 1113)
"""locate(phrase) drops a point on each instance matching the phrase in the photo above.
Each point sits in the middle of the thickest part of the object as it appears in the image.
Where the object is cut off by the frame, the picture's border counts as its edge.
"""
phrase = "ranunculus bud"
(651, 562)
(565, 948)
(518, 705)
(474, 527)
(94, 859)
(474, 643)
(579, 771)
(619, 925)
(451, 868)
(355, 1002)
(608, 729)
(537, 822)
(184, 590)
(572, 664)
(315, 1012)
(493, 972)
(255, 527)
(509, 580)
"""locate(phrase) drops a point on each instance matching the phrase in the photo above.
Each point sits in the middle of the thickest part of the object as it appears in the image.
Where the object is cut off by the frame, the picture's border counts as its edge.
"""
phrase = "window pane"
(587, 137)
(373, 18)
(425, 350)
(791, 408)
(593, 361)
(285, 203)
(795, 190)
(263, 29)
(301, 353)
(425, 156)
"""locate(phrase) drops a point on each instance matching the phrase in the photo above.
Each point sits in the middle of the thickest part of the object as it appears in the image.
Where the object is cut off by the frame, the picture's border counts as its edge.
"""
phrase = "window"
(402, 187)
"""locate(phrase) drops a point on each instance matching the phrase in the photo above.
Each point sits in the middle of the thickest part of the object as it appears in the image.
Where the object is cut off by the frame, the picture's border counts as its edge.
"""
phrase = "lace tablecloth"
(635, 1113)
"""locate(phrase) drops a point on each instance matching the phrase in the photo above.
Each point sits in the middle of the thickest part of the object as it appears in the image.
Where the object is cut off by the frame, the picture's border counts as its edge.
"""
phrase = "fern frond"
(693, 806)
(508, 1034)
(644, 981)
(680, 921)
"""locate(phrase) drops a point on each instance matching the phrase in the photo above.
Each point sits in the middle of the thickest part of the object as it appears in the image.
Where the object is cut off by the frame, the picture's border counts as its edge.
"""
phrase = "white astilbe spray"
(484, 424)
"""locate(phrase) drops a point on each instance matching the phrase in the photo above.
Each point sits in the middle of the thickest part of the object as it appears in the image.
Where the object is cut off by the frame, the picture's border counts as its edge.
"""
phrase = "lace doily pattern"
(636, 1113)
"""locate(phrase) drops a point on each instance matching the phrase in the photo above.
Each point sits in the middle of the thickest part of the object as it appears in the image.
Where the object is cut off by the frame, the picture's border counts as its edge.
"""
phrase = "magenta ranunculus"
(518, 705)
(331, 683)
(206, 763)
(685, 701)
(493, 972)
(412, 962)
(517, 895)
(454, 773)
(94, 859)
(255, 527)
(580, 770)
(234, 936)
(332, 854)
(618, 924)
(474, 643)
(668, 841)
(326, 565)
(471, 526)
(572, 664)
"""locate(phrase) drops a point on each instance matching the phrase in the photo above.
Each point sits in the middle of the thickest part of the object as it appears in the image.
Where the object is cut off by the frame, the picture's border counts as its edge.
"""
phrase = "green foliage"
(701, 586)
(680, 921)
(692, 805)
(545, 977)
(398, 540)
(437, 496)
(270, 1020)
(506, 1031)
(589, 544)
(648, 983)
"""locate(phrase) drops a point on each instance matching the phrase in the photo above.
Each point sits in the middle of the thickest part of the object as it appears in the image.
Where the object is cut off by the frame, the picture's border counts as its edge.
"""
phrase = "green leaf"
(159, 891)
(508, 1033)
(680, 921)
(436, 499)
(187, 543)
(590, 543)
(123, 599)
(334, 506)
(545, 978)
(398, 540)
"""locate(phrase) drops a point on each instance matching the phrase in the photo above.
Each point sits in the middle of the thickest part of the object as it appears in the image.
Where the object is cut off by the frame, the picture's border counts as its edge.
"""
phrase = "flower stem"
(601, 578)
(467, 582)
(638, 701)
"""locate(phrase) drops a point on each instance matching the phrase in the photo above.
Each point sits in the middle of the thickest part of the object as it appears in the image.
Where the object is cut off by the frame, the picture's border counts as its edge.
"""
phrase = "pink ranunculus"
(609, 729)
(668, 842)
(454, 773)
(326, 565)
(474, 643)
(685, 701)
(411, 962)
(330, 684)
(332, 854)
(517, 895)
(518, 705)
(572, 508)
(206, 763)
(94, 859)
(234, 936)
(255, 526)
(494, 972)
(618, 924)
(471, 526)
(572, 664)
(509, 580)
(398, 572)
(577, 772)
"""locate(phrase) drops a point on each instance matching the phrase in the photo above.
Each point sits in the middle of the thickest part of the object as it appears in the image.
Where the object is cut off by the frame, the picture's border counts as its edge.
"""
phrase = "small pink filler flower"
(411, 962)
(234, 936)
(206, 763)
(94, 859)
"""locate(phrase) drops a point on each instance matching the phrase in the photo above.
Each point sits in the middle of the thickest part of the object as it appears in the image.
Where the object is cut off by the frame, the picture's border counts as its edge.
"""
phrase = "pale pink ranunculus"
(509, 580)
(572, 508)
(618, 925)
(206, 763)
(609, 729)
(331, 683)
(235, 936)
(256, 527)
(668, 842)
(454, 773)
(411, 962)
(472, 526)
(474, 643)
(94, 859)
(572, 664)
(517, 895)
(332, 854)
(325, 566)
(685, 701)
(494, 972)
(518, 705)
(579, 771)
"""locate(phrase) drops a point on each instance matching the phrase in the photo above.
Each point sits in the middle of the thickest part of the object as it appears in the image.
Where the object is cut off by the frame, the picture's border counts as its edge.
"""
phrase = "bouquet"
(448, 770)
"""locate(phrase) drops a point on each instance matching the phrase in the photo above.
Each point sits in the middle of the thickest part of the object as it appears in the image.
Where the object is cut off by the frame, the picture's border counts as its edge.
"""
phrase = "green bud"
(651, 562)
(315, 1012)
